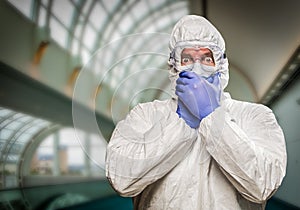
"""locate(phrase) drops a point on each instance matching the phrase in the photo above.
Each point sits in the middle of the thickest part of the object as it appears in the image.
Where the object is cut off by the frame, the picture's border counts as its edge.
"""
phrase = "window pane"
(86, 7)
(98, 150)
(13, 158)
(38, 125)
(75, 47)
(126, 23)
(63, 10)
(112, 4)
(10, 179)
(14, 125)
(5, 133)
(85, 56)
(75, 158)
(15, 150)
(89, 37)
(23, 6)
(164, 20)
(24, 137)
(42, 17)
(78, 28)
(71, 151)
(154, 4)
(4, 112)
(97, 16)
(178, 10)
(77, 2)
(15, 132)
(140, 9)
(45, 2)
(69, 137)
(42, 162)
(58, 32)
(71, 154)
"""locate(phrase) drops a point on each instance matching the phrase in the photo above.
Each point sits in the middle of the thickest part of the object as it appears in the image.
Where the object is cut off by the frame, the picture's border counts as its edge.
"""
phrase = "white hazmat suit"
(236, 159)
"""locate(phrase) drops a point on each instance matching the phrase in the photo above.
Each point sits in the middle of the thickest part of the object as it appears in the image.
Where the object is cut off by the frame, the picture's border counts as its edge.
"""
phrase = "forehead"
(196, 51)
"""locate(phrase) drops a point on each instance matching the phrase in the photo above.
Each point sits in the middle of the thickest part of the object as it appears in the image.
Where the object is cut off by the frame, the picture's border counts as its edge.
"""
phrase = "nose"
(197, 60)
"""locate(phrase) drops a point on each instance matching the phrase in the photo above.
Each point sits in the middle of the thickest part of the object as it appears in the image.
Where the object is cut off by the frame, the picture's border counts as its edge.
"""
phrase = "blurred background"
(71, 69)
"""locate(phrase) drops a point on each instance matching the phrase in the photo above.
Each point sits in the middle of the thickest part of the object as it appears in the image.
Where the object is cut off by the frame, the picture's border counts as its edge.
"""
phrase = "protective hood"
(194, 30)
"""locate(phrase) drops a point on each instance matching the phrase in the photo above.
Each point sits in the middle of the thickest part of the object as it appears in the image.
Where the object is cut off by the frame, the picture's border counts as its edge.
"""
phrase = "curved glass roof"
(61, 151)
(16, 131)
(77, 153)
(124, 44)
(86, 28)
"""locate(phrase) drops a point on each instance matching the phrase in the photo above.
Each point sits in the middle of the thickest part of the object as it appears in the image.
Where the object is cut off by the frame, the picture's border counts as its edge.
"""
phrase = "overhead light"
(278, 84)
(292, 67)
(284, 77)
(288, 73)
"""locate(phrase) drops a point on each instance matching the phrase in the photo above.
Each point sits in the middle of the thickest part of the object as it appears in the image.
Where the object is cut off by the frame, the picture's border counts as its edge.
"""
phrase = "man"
(201, 149)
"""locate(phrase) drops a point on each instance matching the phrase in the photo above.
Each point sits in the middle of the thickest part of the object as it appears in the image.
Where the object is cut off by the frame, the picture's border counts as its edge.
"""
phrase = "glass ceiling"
(123, 43)
(62, 151)
(16, 130)
(85, 28)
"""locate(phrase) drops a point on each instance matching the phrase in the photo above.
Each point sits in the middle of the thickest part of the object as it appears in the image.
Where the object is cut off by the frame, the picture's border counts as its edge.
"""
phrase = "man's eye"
(208, 60)
(185, 60)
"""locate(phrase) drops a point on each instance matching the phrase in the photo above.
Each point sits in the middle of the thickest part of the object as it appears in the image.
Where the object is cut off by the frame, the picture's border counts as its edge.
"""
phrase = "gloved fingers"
(190, 104)
(180, 88)
(180, 94)
(182, 80)
(180, 104)
(183, 107)
(184, 113)
(188, 74)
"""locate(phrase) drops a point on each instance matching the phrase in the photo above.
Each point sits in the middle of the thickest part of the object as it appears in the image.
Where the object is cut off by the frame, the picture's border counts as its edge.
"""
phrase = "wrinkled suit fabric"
(235, 160)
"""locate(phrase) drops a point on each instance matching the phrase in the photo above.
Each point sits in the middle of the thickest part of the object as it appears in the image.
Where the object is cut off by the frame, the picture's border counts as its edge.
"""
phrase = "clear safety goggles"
(208, 56)
(192, 55)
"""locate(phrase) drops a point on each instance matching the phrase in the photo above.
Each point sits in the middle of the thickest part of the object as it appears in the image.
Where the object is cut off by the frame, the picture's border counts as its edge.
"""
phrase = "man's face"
(192, 55)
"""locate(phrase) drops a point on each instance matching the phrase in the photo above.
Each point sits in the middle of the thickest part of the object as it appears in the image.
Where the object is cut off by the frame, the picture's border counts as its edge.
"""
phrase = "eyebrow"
(186, 55)
(208, 53)
(189, 55)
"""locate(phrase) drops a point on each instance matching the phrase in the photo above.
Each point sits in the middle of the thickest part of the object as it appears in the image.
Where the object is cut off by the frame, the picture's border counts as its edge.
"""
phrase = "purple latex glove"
(197, 96)
(189, 118)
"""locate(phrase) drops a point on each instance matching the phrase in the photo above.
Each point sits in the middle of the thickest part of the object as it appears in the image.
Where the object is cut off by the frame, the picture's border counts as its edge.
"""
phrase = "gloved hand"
(199, 96)
(189, 118)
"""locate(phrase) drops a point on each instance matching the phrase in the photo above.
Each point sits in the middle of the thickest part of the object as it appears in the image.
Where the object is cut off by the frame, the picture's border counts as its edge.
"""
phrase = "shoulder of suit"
(250, 106)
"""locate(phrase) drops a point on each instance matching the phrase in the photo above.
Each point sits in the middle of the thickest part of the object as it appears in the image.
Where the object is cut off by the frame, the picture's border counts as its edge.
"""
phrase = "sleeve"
(250, 153)
(146, 146)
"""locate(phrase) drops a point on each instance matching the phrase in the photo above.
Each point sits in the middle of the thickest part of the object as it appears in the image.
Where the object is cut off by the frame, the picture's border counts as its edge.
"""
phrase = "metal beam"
(24, 94)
